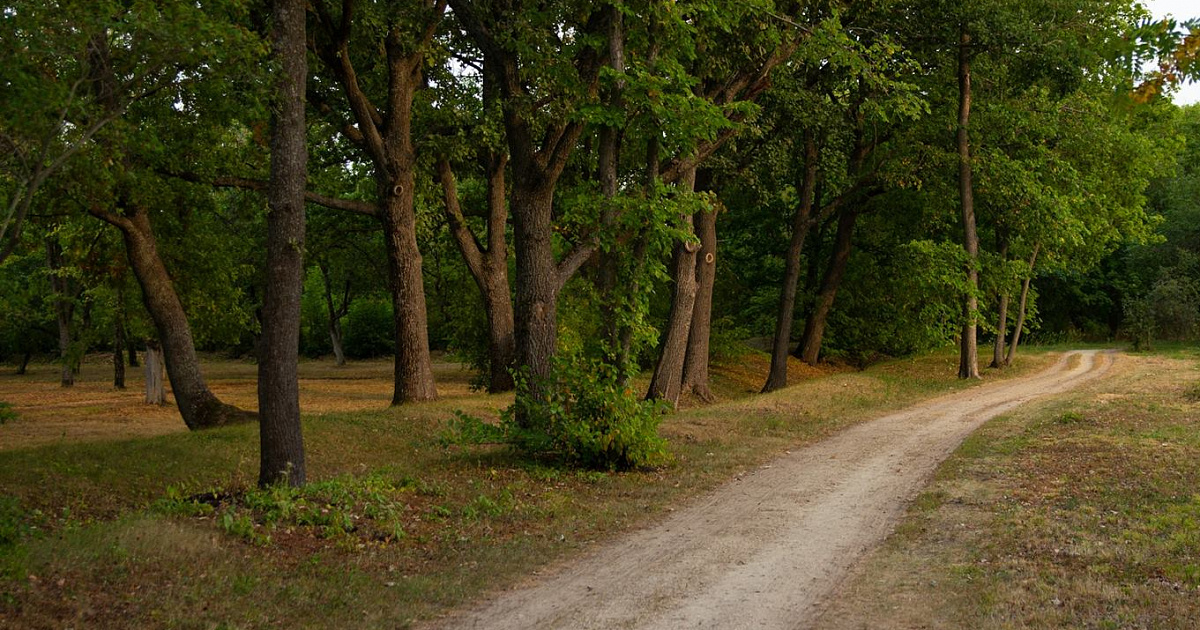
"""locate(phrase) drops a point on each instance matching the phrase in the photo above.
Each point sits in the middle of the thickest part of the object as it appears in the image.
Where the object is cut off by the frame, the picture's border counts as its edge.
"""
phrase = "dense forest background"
(562, 191)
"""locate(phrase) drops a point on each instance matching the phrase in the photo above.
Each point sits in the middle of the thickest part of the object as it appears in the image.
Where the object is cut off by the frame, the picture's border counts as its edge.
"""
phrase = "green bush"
(6, 412)
(588, 418)
(368, 329)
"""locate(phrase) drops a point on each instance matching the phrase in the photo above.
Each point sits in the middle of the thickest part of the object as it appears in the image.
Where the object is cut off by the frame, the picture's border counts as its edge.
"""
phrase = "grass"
(167, 531)
(1082, 512)
(6, 412)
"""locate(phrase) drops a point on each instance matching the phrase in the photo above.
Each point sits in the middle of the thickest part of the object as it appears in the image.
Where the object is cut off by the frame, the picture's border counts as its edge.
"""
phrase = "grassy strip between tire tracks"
(163, 532)
(1079, 512)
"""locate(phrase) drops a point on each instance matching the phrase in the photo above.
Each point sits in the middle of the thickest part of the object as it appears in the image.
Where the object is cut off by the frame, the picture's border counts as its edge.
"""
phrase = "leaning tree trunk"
(1016, 338)
(968, 361)
(197, 404)
(667, 382)
(695, 363)
(814, 326)
(281, 452)
(801, 223)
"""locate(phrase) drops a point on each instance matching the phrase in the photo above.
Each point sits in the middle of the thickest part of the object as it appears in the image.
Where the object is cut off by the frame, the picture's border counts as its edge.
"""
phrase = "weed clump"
(6, 412)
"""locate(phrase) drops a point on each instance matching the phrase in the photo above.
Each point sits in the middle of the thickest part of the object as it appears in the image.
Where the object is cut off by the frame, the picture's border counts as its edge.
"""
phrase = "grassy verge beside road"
(1080, 512)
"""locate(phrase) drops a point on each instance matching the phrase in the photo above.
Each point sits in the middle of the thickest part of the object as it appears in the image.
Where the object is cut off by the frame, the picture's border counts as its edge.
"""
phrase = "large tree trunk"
(801, 223)
(1016, 337)
(281, 444)
(667, 382)
(968, 361)
(197, 404)
(814, 326)
(695, 363)
(413, 367)
(538, 285)
(64, 308)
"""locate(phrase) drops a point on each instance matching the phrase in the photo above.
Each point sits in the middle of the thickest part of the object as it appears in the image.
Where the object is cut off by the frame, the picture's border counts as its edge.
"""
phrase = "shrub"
(588, 418)
(6, 412)
(368, 329)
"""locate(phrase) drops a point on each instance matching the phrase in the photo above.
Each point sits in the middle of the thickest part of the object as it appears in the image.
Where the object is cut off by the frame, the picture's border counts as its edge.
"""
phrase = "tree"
(280, 440)
(380, 107)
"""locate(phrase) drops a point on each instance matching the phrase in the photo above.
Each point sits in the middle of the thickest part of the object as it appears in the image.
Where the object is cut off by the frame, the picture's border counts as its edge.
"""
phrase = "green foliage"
(6, 412)
(586, 416)
(368, 507)
(369, 328)
(17, 524)
(1139, 322)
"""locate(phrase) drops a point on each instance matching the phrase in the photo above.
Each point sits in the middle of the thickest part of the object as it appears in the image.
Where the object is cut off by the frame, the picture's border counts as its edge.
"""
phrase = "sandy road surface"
(763, 551)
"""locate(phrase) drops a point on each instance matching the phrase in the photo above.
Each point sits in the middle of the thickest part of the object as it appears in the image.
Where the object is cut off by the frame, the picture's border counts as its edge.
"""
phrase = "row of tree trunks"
(801, 225)
(281, 445)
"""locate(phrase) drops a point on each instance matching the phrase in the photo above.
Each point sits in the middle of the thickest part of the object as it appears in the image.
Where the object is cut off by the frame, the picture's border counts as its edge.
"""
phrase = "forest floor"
(111, 528)
(765, 550)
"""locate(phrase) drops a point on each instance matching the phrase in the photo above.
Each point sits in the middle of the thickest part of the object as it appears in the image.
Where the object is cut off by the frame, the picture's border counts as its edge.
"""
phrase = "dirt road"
(763, 551)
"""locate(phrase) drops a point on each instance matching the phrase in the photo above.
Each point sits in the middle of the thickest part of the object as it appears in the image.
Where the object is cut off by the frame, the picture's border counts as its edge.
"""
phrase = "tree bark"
(801, 223)
(1016, 338)
(385, 135)
(281, 452)
(24, 365)
(667, 382)
(197, 405)
(335, 312)
(488, 266)
(814, 326)
(695, 362)
(156, 391)
(118, 357)
(413, 368)
(64, 309)
(132, 351)
(968, 361)
(1002, 323)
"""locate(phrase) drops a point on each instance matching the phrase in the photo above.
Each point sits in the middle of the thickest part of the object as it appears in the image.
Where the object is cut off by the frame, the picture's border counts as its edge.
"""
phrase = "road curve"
(761, 552)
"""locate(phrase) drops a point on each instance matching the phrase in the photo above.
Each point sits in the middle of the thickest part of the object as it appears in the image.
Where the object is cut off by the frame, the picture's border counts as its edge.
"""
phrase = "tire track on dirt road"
(764, 550)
